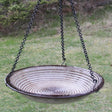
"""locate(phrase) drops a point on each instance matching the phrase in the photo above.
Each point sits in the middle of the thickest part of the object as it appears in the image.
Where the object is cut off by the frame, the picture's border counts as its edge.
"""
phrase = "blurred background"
(43, 48)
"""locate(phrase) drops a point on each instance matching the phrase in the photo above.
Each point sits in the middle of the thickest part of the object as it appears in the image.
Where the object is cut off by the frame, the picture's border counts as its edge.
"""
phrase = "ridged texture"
(54, 80)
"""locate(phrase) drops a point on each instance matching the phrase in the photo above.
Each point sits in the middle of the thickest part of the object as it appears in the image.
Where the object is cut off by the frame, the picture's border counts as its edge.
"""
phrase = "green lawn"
(43, 48)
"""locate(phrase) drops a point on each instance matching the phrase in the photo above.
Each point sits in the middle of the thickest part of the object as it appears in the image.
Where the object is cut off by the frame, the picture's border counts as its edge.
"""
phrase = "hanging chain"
(25, 36)
(82, 41)
(61, 30)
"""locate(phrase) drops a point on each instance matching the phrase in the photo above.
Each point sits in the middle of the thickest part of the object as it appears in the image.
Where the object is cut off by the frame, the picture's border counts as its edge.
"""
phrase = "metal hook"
(63, 63)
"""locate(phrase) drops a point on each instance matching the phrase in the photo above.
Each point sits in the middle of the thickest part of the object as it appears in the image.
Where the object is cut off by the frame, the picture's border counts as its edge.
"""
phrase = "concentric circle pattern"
(53, 81)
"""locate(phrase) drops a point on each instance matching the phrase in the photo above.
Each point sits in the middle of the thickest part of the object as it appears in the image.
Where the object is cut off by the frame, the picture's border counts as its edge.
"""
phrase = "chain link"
(82, 41)
(61, 30)
(25, 36)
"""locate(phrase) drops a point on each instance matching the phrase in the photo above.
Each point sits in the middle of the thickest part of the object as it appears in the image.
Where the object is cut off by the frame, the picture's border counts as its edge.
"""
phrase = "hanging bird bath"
(54, 84)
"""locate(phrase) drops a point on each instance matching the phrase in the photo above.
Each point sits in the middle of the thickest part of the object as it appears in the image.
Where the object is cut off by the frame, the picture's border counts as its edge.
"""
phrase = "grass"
(43, 48)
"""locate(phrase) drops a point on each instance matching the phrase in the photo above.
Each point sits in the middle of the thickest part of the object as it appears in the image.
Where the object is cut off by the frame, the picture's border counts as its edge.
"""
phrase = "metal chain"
(82, 41)
(25, 36)
(61, 30)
